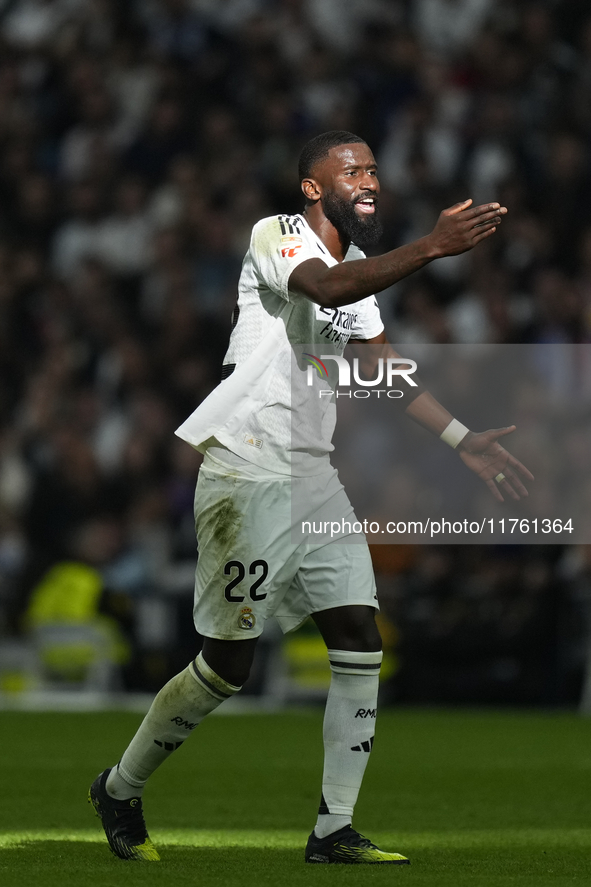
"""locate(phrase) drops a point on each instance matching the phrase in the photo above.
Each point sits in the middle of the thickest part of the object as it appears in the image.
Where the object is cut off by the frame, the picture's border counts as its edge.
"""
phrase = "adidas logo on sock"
(366, 745)
(168, 746)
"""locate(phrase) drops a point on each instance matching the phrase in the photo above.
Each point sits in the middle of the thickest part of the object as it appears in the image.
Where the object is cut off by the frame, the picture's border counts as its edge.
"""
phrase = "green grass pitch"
(475, 799)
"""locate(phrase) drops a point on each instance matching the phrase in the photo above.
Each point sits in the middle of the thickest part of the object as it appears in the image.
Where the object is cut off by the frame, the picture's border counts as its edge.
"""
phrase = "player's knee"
(364, 638)
(350, 628)
(230, 660)
(234, 673)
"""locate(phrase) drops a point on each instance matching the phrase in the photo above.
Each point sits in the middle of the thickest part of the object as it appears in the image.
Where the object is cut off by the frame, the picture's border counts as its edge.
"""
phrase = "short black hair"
(318, 147)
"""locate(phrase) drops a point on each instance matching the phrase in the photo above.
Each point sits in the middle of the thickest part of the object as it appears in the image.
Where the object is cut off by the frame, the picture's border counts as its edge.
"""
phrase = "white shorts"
(250, 567)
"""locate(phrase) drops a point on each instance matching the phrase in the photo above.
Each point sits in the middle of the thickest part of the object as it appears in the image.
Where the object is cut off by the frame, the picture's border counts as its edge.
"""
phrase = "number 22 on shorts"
(253, 570)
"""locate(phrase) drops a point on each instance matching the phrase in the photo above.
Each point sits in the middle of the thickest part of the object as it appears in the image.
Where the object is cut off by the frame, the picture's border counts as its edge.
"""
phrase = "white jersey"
(252, 412)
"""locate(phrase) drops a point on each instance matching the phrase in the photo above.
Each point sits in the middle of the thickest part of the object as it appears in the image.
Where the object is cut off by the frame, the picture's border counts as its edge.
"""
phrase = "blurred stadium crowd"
(139, 143)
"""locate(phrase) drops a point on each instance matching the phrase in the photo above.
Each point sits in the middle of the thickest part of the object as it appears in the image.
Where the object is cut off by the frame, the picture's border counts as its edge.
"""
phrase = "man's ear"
(311, 189)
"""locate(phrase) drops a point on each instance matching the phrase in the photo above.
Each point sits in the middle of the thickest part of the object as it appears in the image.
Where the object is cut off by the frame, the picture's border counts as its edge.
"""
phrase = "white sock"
(177, 709)
(349, 724)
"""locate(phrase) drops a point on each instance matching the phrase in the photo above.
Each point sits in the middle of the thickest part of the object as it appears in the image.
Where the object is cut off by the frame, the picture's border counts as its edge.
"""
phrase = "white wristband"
(454, 433)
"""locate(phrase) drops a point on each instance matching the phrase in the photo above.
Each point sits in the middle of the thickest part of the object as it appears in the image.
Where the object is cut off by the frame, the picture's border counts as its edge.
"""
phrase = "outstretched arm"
(480, 452)
(458, 229)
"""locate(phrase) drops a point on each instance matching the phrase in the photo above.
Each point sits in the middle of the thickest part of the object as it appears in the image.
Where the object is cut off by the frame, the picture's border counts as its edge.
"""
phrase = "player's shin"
(177, 709)
(349, 724)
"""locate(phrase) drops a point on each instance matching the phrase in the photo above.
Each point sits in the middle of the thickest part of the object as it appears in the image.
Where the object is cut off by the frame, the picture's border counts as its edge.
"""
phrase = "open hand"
(488, 459)
(462, 226)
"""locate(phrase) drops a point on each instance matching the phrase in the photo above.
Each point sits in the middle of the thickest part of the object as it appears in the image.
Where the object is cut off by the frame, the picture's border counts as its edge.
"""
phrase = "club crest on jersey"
(247, 619)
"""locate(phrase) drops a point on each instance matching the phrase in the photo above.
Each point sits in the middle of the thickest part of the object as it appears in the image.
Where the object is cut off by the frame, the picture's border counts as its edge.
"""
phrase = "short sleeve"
(368, 323)
(369, 320)
(278, 245)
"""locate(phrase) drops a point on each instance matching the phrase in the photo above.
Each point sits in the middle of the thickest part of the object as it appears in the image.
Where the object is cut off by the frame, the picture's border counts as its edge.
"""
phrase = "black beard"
(341, 213)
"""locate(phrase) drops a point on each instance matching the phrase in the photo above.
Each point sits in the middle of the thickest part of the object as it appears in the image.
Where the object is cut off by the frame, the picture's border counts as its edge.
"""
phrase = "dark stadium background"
(139, 142)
